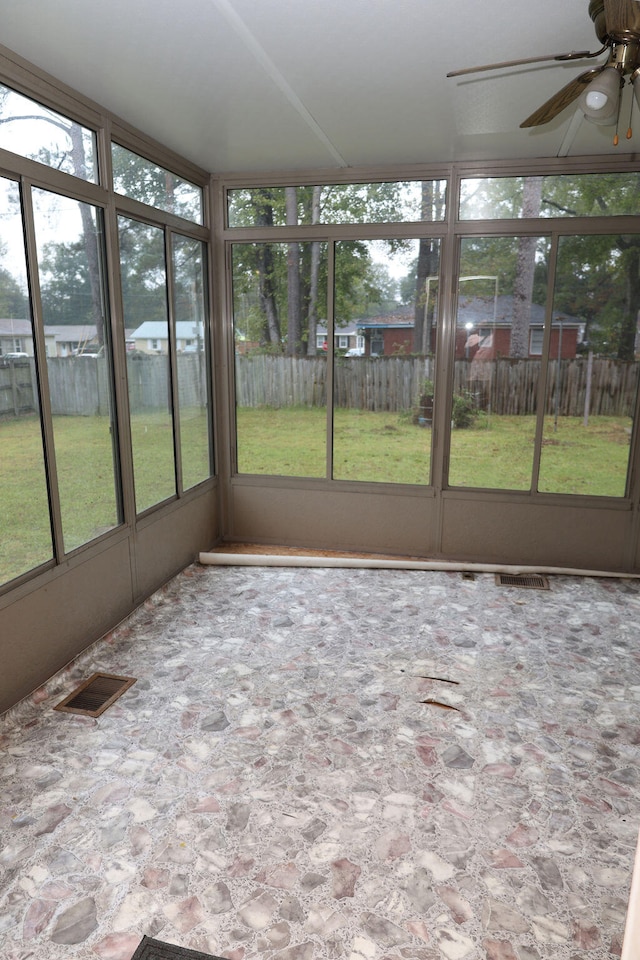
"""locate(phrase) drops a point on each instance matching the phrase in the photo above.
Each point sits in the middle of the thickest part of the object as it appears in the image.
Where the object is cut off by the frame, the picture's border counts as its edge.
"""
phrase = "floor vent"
(529, 581)
(150, 949)
(96, 694)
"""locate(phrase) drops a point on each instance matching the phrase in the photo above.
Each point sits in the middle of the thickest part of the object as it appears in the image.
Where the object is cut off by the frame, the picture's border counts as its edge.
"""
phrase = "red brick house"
(483, 326)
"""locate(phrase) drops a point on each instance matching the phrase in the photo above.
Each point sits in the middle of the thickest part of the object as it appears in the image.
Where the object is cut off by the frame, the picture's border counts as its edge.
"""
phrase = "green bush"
(463, 411)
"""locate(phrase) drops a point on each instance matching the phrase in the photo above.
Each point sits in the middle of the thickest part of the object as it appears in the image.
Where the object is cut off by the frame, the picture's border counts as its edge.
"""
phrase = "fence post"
(587, 393)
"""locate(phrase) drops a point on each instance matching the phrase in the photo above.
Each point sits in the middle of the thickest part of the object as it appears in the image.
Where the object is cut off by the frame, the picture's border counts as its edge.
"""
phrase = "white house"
(152, 337)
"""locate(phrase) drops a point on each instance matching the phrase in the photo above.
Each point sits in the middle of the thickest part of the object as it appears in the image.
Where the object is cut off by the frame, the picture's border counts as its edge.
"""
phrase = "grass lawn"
(588, 460)
(86, 481)
(387, 447)
(498, 453)
(374, 447)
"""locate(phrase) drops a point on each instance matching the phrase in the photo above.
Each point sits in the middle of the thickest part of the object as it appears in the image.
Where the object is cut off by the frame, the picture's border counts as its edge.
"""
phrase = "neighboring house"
(151, 337)
(482, 324)
(72, 339)
(16, 337)
(345, 338)
(61, 340)
(483, 329)
(390, 334)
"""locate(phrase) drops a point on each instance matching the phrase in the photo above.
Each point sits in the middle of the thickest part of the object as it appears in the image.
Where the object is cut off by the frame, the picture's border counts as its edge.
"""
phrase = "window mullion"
(173, 358)
(544, 362)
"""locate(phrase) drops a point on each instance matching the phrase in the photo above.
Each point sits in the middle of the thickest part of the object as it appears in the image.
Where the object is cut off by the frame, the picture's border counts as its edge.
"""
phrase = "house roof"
(15, 328)
(350, 330)
(157, 330)
(478, 311)
(71, 332)
(485, 311)
(400, 318)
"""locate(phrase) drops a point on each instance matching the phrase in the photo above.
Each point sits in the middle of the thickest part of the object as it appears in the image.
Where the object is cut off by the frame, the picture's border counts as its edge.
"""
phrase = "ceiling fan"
(617, 26)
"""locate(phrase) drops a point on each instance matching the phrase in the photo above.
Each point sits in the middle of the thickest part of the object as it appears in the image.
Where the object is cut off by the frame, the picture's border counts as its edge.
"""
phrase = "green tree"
(291, 277)
(65, 284)
(13, 301)
(599, 276)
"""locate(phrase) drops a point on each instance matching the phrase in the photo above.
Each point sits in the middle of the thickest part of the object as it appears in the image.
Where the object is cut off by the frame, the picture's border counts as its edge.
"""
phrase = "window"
(24, 506)
(589, 415)
(145, 300)
(394, 202)
(536, 338)
(281, 403)
(189, 305)
(379, 430)
(501, 293)
(39, 133)
(84, 429)
(343, 343)
(136, 177)
(556, 195)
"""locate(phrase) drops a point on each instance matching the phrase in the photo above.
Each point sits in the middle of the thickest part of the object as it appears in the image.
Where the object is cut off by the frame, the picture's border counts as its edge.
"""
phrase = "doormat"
(150, 949)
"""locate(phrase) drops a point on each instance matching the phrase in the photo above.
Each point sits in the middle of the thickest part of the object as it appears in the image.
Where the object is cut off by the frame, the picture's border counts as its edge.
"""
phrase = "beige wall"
(49, 620)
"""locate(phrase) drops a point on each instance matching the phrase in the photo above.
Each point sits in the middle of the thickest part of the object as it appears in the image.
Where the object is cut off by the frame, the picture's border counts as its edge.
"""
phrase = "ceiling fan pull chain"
(629, 130)
(616, 139)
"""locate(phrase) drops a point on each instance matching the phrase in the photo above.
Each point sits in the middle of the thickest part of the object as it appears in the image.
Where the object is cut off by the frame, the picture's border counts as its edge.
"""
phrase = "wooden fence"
(384, 384)
(504, 386)
(79, 387)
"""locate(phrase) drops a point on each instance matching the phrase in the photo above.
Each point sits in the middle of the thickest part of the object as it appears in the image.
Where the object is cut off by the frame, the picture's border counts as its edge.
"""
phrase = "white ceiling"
(249, 85)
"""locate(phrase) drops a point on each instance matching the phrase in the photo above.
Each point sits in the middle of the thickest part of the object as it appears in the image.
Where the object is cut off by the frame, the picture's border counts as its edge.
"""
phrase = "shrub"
(463, 411)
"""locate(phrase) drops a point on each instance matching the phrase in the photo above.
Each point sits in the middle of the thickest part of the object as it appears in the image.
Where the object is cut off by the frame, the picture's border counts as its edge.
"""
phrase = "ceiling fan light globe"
(599, 101)
(596, 100)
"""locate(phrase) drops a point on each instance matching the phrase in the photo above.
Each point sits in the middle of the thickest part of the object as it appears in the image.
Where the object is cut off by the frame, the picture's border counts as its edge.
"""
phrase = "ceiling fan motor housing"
(615, 20)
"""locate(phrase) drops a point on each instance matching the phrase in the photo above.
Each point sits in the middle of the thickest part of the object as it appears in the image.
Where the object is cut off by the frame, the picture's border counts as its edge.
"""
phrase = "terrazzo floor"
(279, 783)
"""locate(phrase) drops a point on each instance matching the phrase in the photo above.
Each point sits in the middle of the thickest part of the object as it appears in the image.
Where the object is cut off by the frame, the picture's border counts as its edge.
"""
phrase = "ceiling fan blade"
(622, 17)
(561, 99)
(574, 55)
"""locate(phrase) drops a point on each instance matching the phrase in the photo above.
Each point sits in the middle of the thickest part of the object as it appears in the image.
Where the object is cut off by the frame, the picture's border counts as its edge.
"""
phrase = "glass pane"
(144, 299)
(568, 195)
(279, 292)
(142, 180)
(38, 133)
(193, 409)
(70, 241)
(499, 322)
(592, 386)
(24, 506)
(386, 296)
(401, 201)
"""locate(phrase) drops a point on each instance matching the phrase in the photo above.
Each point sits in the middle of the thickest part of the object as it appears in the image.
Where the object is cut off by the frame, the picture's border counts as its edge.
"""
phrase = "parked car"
(9, 358)
(355, 352)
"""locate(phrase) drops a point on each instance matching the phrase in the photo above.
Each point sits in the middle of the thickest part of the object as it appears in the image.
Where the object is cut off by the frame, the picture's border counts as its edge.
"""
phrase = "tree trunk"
(428, 266)
(424, 310)
(294, 297)
(525, 269)
(314, 277)
(629, 324)
(89, 237)
(266, 272)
